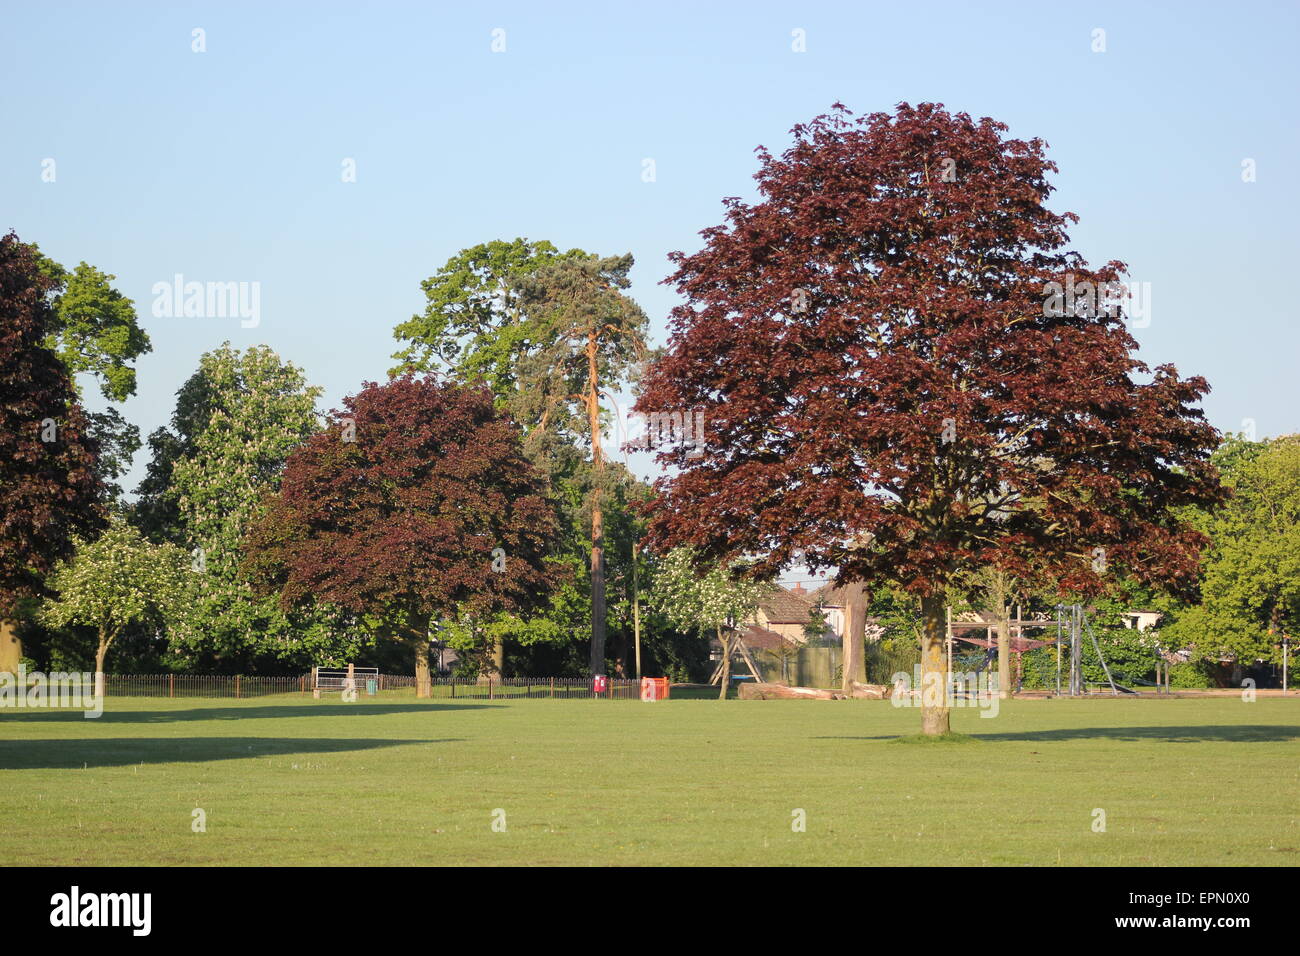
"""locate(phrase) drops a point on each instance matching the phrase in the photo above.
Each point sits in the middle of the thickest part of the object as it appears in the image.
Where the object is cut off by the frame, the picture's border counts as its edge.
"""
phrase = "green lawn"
(287, 780)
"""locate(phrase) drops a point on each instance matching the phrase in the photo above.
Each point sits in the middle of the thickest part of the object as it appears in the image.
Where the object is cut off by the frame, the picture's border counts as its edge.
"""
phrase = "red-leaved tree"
(416, 504)
(49, 491)
(904, 375)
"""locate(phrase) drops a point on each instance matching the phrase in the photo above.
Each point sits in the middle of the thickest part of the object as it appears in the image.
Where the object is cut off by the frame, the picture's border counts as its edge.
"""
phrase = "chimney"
(798, 589)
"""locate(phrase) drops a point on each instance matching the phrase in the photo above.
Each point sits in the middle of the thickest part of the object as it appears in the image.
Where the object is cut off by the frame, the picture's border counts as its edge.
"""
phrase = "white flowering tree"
(117, 580)
(693, 599)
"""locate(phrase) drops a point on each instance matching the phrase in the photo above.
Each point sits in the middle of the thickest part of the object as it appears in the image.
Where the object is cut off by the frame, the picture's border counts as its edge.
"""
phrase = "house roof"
(761, 639)
(782, 607)
(828, 595)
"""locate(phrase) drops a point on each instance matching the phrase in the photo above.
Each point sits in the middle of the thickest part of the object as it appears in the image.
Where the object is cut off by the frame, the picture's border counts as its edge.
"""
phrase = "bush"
(886, 658)
(1040, 669)
(1188, 675)
(1130, 654)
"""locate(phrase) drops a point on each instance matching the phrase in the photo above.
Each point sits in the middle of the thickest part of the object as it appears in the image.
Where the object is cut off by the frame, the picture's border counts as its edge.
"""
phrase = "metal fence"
(240, 686)
(202, 685)
(496, 688)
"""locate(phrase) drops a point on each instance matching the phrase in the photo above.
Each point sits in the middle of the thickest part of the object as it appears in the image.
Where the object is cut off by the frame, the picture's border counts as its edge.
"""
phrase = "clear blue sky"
(226, 165)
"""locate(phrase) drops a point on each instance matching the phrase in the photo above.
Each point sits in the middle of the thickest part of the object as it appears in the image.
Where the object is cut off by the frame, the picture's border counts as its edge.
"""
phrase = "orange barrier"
(654, 688)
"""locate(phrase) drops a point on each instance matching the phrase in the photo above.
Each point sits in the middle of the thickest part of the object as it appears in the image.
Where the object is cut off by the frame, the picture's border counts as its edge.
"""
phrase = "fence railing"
(240, 686)
(495, 688)
(202, 685)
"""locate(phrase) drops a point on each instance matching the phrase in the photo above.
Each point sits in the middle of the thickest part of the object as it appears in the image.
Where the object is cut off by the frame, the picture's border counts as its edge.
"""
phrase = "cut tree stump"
(781, 692)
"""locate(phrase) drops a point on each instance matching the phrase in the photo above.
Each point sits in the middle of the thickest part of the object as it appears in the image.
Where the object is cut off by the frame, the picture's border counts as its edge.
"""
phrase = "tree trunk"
(756, 691)
(423, 686)
(725, 681)
(597, 519)
(597, 587)
(11, 648)
(934, 691)
(620, 654)
(498, 656)
(418, 639)
(855, 636)
(1004, 652)
(101, 652)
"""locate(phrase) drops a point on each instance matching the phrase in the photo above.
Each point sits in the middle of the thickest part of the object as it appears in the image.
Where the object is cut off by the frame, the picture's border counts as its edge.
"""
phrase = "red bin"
(654, 688)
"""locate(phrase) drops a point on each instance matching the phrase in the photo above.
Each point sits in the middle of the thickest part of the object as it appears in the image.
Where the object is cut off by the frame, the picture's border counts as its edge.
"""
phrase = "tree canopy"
(890, 390)
(237, 419)
(415, 505)
(699, 598)
(472, 324)
(117, 580)
(1250, 597)
(50, 493)
(96, 332)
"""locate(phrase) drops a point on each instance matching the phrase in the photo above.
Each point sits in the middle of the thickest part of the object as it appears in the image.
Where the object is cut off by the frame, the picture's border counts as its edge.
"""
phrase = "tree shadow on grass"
(126, 751)
(110, 716)
(1241, 733)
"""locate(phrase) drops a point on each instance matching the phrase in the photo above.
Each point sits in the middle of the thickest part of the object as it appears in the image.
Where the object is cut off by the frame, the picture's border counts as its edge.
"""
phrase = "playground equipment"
(1078, 622)
(735, 648)
(1070, 621)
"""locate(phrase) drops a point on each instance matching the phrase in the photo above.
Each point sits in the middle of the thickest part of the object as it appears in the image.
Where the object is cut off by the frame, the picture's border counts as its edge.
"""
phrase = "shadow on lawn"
(126, 751)
(111, 716)
(1242, 733)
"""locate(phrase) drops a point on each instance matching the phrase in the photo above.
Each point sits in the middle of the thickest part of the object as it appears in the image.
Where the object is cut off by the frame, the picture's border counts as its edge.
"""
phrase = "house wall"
(791, 632)
(835, 620)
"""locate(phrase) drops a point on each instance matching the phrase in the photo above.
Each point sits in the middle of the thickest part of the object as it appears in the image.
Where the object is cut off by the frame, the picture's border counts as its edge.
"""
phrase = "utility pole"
(636, 612)
(1286, 649)
(948, 639)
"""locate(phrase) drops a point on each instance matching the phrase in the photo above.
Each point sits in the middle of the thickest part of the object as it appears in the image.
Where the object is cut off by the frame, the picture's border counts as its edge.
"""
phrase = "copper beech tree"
(49, 489)
(905, 376)
(416, 504)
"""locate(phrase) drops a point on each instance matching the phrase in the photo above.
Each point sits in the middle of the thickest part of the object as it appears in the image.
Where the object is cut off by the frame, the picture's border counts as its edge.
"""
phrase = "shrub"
(1188, 675)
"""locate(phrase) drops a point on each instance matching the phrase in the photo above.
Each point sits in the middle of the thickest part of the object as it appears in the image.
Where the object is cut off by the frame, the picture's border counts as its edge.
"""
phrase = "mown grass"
(400, 781)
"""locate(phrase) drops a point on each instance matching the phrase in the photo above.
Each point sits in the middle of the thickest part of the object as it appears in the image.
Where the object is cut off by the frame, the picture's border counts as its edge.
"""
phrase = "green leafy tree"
(704, 599)
(548, 332)
(1250, 593)
(116, 581)
(593, 336)
(96, 332)
(237, 420)
(472, 325)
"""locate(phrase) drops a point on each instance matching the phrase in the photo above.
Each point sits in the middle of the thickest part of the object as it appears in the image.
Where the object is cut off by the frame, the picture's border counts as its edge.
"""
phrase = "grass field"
(287, 780)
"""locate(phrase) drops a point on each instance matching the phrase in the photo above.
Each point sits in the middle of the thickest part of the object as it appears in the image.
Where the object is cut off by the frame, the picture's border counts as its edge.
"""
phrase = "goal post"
(348, 681)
